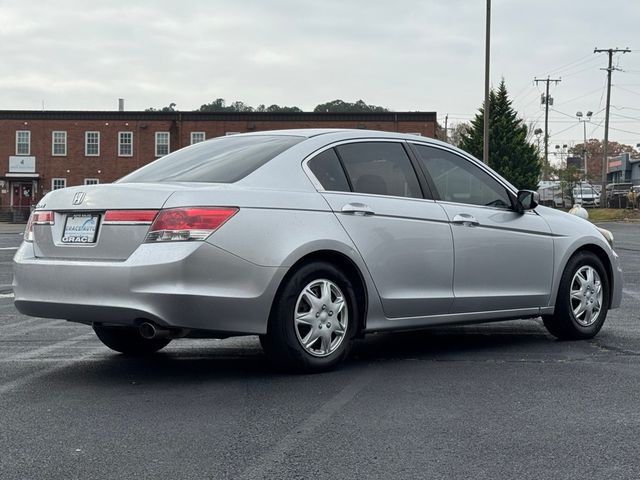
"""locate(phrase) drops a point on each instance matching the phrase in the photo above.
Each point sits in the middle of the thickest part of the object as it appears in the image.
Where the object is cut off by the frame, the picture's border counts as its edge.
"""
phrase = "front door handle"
(357, 209)
(466, 220)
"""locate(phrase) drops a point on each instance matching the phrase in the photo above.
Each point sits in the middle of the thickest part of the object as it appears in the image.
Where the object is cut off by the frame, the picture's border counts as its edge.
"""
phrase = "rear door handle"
(357, 209)
(466, 220)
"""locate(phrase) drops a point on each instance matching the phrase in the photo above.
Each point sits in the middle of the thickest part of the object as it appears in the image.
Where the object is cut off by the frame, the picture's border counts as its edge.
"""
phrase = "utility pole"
(547, 101)
(446, 128)
(609, 69)
(487, 49)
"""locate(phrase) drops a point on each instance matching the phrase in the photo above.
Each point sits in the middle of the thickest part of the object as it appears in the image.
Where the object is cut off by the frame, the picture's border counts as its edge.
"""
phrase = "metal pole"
(605, 158)
(546, 122)
(584, 150)
(446, 128)
(609, 69)
(485, 136)
(546, 132)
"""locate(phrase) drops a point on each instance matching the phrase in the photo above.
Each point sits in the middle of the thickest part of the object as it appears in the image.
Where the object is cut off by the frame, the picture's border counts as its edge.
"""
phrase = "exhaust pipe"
(150, 331)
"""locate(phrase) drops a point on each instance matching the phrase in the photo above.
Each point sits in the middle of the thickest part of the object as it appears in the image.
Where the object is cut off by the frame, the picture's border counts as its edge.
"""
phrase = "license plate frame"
(80, 229)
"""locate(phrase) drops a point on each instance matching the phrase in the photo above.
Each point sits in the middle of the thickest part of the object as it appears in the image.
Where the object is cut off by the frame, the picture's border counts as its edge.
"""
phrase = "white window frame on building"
(95, 142)
(58, 183)
(160, 135)
(59, 139)
(197, 137)
(91, 181)
(125, 139)
(23, 138)
(228, 134)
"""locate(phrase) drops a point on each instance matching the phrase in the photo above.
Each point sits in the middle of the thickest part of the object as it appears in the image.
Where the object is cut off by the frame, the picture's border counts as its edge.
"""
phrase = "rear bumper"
(192, 285)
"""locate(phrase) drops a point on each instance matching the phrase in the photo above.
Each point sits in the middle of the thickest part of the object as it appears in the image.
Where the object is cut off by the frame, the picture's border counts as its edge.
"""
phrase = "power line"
(568, 128)
(625, 131)
(625, 108)
(604, 89)
(625, 116)
(581, 96)
(576, 72)
(626, 90)
(598, 125)
(573, 64)
(562, 113)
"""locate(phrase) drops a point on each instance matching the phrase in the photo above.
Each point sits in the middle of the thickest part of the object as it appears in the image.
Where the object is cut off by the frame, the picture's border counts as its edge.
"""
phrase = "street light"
(584, 144)
(538, 132)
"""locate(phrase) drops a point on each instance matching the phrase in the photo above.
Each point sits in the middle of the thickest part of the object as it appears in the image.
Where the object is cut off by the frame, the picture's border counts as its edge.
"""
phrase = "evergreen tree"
(510, 153)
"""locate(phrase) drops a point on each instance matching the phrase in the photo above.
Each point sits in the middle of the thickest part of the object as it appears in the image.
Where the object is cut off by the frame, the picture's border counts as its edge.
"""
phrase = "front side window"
(92, 144)
(162, 143)
(59, 144)
(23, 142)
(459, 180)
(221, 160)
(58, 183)
(380, 168)
(327, 169)
(125, 144)
(197, 137)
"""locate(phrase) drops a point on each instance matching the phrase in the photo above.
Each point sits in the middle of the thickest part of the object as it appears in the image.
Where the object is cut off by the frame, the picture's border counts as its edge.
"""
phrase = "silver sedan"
(309, 239)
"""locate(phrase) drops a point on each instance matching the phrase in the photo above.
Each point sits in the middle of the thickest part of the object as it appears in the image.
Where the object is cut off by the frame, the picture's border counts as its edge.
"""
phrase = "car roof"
(347, 133)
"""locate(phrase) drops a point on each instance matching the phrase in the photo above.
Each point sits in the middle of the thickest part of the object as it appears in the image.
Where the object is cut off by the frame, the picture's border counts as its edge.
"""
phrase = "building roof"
(226, 116)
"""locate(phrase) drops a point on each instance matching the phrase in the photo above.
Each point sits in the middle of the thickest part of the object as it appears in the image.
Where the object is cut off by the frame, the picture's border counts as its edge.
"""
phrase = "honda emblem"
(78, 198)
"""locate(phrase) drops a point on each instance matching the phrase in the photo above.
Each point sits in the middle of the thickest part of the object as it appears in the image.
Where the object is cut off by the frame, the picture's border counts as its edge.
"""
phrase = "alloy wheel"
(586, 295)
(321, 317)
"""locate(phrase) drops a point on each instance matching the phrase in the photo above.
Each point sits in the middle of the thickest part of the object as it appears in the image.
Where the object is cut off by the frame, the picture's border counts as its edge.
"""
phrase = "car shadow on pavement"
(187, 366)
(486, 341)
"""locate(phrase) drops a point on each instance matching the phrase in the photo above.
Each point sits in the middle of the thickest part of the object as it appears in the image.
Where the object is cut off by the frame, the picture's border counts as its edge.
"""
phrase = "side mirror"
(527, 200)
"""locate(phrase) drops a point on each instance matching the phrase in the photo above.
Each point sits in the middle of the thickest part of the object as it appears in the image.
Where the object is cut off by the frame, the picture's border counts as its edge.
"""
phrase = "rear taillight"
(129, 217)
(39, 217)
(189, 223)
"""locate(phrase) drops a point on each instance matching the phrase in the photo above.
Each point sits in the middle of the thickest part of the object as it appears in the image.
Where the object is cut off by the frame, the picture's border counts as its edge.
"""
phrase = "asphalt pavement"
(502, 400)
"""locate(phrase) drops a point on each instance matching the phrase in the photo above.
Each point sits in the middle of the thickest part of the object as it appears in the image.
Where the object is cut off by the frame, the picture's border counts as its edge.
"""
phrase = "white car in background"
(586, 195)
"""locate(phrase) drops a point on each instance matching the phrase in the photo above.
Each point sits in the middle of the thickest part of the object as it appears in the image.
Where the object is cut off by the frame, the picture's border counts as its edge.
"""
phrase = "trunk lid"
(79, 210)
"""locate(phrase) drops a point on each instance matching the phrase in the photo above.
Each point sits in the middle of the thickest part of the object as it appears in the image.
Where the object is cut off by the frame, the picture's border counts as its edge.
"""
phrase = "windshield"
(221, 160)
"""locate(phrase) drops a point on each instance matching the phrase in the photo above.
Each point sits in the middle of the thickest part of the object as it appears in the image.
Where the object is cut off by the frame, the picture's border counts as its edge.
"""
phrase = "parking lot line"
(31, 328)
(39, 352)
(22, 322)
(635, 295)
(260, 466)
(12, 385)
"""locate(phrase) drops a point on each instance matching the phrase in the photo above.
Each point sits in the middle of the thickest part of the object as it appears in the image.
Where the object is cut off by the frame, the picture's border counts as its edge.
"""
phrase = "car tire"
(128, 340)
(304, 332)
(584, 285)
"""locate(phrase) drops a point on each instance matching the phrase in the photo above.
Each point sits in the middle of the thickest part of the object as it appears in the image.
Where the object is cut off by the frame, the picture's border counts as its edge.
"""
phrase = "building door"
(21, 195)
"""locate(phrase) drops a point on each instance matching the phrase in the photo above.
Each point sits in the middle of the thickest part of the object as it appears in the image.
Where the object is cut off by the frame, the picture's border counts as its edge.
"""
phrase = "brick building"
(42, 151)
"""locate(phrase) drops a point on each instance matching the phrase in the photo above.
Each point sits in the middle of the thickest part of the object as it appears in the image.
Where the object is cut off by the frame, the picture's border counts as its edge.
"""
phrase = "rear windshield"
(221, 160)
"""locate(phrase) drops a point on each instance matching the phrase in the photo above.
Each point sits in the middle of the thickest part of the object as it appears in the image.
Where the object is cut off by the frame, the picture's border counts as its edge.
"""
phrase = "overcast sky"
(404, 54)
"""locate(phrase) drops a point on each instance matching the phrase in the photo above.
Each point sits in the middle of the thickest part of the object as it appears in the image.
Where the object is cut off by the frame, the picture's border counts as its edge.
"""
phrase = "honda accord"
(310, 239)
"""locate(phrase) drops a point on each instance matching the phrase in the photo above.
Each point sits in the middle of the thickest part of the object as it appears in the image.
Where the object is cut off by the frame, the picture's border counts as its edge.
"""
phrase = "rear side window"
(458, 180)
(327, 169)
(222, 160)
(381, 168)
